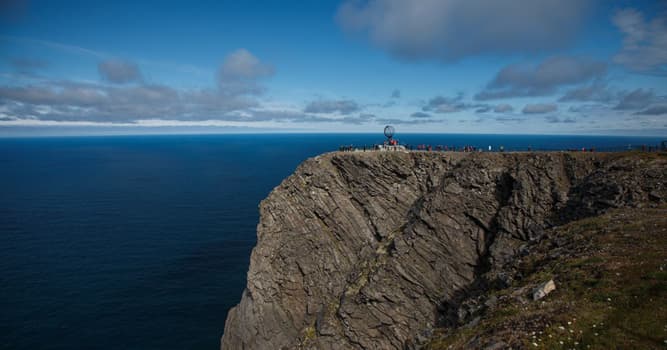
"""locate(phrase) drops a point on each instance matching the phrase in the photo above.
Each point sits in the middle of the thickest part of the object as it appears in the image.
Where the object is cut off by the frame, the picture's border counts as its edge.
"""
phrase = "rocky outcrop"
(368, 250)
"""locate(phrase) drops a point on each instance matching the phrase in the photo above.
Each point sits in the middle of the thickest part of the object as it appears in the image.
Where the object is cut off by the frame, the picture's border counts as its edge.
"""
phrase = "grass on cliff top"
(611, 279)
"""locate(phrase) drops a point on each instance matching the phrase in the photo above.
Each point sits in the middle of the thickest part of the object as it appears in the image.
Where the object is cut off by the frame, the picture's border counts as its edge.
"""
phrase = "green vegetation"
(309, 333)
(611, 278)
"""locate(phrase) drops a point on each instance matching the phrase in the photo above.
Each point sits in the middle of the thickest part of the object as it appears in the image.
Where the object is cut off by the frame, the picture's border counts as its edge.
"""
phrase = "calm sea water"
(144, 242)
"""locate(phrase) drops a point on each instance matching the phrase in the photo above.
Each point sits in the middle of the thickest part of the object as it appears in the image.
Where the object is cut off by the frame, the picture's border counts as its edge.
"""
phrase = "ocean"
(143, 242)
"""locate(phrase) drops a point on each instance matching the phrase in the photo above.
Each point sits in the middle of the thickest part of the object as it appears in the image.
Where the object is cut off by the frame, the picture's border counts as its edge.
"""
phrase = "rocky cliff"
(372, 250)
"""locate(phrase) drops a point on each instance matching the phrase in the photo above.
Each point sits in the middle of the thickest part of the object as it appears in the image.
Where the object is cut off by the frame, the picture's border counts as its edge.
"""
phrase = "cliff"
(393, 250)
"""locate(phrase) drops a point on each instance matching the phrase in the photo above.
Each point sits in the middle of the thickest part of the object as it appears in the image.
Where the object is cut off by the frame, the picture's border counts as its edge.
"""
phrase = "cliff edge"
(378, 250)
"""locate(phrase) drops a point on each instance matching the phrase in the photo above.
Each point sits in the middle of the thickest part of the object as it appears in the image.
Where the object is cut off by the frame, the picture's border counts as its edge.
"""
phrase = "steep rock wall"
(364, 250)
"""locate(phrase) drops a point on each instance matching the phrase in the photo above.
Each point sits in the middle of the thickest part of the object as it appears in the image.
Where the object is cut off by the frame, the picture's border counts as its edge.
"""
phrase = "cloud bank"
(539, 108)
(332, 106)
(636, 99)
(128, 98)
(654, 110)
(594, 92)
(545, 78)
(442, 104)
(454, 29)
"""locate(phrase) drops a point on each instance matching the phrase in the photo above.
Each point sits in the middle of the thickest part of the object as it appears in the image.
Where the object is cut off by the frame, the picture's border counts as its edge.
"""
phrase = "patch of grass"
(610, 295)
(309, 333)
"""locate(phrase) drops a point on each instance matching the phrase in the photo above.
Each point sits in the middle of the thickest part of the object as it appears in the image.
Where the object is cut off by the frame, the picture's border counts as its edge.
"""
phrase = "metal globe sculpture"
(389, 131)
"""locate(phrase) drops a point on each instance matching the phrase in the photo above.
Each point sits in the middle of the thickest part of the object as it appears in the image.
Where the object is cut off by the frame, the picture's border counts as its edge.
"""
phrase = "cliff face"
(367, 250)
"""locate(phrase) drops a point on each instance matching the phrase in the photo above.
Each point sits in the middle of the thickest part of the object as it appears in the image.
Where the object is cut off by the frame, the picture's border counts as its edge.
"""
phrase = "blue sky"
(547, 66)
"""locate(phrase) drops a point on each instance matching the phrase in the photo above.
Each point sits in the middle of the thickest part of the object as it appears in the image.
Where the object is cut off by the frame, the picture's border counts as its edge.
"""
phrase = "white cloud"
(59, 100)
(241, 64)
(241, 72)
(119, 71)
(67, 100)
(453, 29)
(545, 78)
(644, 42)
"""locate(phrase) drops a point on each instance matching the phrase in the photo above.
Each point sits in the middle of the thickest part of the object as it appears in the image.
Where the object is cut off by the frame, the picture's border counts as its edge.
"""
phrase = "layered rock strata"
(365, 250)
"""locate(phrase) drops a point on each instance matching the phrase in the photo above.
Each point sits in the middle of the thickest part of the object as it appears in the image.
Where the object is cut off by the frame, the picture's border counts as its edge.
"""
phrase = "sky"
(589, 67)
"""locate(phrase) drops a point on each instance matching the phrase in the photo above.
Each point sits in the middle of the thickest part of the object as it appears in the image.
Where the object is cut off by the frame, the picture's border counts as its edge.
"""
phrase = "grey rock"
(544, 289)
(364, 250)
(491, 302)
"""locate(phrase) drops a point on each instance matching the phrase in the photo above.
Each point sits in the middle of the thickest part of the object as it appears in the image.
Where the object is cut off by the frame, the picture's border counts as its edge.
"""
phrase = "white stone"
(543, 289)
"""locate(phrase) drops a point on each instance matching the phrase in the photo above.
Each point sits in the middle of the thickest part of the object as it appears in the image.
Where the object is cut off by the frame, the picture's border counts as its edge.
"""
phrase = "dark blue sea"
(143, 242)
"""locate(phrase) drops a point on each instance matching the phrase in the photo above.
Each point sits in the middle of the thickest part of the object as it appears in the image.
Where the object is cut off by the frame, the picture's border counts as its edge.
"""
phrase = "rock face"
(369, 250)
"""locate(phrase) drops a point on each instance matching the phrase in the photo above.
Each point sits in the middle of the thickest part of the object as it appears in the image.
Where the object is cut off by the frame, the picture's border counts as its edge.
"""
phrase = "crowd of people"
(421, 147)
(469, 148)
(441, 148)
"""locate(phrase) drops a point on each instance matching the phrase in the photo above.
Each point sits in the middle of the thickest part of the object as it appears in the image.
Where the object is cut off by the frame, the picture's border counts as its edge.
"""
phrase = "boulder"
(544, 289)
